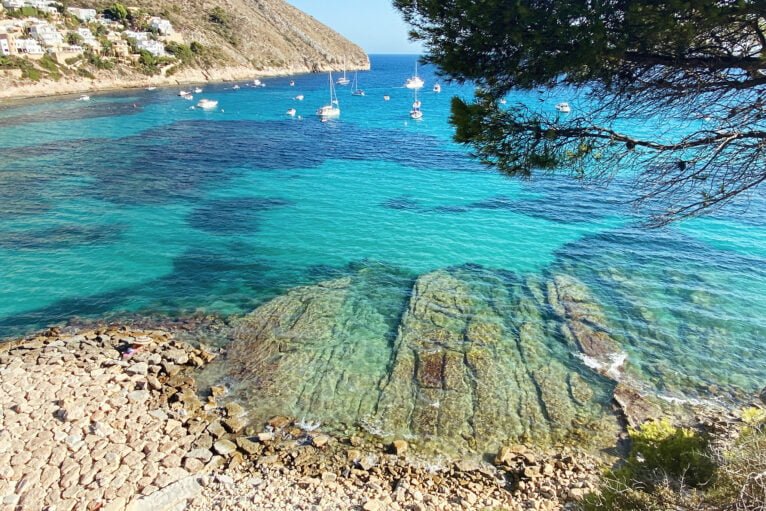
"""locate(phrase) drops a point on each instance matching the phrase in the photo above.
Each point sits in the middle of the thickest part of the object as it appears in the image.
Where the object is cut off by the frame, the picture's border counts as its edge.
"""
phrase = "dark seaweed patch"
(232, 216)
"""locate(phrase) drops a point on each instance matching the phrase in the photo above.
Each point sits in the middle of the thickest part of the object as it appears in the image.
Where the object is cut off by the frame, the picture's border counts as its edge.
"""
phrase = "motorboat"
(188, 97)
(563, 107)
(151, 88)
(292, 83)
(386, 98)
(299, 97)
(437, 88)
(184, 93)
(207, 104)
(292, 112)
(198, 90)
(416, 104)
(258, 83)
(236, 87)
(331, 110)
(415, 82)
(84, 97)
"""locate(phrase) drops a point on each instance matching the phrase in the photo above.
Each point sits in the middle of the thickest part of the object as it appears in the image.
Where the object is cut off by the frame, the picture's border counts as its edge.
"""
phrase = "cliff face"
(243, 39)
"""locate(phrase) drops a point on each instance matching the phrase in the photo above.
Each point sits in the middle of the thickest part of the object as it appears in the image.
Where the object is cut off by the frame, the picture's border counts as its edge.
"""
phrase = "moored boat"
(207, 104)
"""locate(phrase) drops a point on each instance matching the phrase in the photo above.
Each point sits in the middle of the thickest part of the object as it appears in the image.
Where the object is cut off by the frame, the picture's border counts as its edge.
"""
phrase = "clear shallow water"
(135, 203)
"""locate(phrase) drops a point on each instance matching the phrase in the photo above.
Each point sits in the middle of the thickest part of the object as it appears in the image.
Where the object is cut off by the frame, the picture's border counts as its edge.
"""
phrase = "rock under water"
(477, 359)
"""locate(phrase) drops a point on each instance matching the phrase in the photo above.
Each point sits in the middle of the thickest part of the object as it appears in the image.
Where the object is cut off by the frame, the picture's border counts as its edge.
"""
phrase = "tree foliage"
(695, 63)
(117, 12)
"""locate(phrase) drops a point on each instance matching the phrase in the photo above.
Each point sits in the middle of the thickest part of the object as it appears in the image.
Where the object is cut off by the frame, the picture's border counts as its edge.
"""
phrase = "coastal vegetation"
(699, 61)
(672, 467)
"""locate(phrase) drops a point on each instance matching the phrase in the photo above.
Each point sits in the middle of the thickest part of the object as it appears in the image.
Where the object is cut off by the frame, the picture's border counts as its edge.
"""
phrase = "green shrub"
(117, 12)
(219, 16)
(86, 74)
(180, 51)
(679, 453)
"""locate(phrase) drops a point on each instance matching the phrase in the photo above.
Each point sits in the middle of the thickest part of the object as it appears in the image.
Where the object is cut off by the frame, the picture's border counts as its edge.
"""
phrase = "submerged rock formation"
(475, 361)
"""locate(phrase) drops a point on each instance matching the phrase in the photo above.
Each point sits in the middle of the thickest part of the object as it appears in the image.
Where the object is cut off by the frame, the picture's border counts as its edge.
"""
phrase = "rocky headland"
(242, 40)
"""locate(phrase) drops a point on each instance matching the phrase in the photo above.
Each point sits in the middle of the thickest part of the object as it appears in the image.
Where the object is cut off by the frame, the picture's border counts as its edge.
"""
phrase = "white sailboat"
(355, 90)
(415, 82)
(343, 80)
(416, 113)
(333, 109)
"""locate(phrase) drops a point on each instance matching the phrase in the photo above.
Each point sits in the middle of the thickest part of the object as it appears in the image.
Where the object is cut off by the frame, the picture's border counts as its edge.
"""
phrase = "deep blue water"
(135, 203)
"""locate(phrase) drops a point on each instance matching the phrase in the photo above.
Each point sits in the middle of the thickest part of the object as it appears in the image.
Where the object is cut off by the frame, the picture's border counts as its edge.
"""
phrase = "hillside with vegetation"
(212, 41)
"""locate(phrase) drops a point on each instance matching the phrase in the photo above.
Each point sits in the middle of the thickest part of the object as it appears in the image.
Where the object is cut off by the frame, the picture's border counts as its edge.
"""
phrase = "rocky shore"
(86, 427)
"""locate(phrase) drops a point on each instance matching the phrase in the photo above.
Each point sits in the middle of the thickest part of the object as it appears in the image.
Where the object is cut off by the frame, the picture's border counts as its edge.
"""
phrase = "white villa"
(29, 46)
(161, 25)
(82, 14)
(156, 48)
(88, 38)
(13, 4)
(138, 36)
(7, 44)
(46, 34)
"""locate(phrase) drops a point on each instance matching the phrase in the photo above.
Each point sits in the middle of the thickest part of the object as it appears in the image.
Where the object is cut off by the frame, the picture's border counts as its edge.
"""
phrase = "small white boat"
(236, 87)
(84, 97)
(437, 88)
(292, 83)
(386, 98)
(258, 83)
(416, 113)
(292, 112)
(183, 93)
(299, 97)
(188, 97)
(333, 109)
(198, 90)
(151, 88)
(415, 82)
(207, 104)
(563, 107)
(503, 101)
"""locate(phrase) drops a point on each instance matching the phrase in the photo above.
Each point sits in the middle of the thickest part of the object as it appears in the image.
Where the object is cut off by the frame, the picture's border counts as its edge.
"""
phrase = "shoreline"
(88, 428)
(14, 93)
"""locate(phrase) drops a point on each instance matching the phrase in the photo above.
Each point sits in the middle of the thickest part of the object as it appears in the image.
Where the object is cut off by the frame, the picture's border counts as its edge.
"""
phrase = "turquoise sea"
(135, 203)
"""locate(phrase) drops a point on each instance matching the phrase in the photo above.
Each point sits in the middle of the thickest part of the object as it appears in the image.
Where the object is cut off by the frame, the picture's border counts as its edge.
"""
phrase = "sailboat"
(333, 109)
(343, 80)
(415, 82)
(355, 90)
(416, 113)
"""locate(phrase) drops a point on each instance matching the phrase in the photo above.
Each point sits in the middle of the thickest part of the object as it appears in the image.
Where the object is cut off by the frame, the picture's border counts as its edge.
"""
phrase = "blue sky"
(373, 24)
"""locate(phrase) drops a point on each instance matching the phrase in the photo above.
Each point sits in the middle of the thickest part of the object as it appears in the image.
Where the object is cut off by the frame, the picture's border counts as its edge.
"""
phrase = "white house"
(138, 36)
(156, 48)
(7, 44)
(46, 34)
(82, 14)
(161, 25)
(88, 38)
(29, 46)
(13, 4)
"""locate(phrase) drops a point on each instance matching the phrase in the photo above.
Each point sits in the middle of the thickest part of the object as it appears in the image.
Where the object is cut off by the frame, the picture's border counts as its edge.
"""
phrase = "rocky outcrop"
(584, 325)
(482, 367)
(474, 363)
(316, 350)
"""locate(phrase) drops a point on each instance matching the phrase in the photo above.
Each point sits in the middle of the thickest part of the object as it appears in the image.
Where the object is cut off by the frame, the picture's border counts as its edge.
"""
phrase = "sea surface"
(134, 202)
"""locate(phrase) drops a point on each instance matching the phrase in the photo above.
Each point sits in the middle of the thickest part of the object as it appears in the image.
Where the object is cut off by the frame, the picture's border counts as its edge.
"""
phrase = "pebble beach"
(85, 427)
